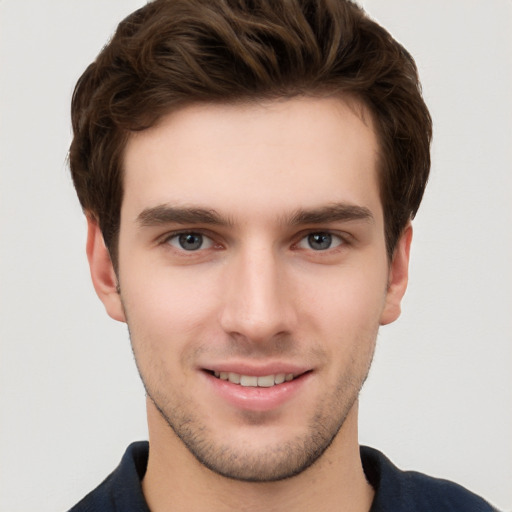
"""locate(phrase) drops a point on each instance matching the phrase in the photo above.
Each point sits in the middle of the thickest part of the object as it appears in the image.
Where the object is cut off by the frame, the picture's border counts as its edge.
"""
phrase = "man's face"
(252, 249)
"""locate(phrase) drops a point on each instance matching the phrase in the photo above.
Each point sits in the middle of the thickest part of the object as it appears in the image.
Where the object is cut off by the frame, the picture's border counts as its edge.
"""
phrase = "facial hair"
(276, 461)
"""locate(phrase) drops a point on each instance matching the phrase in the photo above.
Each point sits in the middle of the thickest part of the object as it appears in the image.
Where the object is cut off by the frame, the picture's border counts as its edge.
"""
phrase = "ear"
(398, 278)
(103, 275)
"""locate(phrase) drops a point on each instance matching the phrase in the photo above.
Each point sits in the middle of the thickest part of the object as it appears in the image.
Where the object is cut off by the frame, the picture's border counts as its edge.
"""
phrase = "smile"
(265, 381)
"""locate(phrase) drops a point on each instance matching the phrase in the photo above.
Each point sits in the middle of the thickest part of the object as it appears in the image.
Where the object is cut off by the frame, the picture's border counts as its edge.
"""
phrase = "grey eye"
(190, 241)
(320, 241)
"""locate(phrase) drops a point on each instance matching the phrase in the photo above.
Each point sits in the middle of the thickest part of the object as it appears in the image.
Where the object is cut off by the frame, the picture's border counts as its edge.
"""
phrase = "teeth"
(234, 378)
(280, 378)
(248, 380)
(265, 381)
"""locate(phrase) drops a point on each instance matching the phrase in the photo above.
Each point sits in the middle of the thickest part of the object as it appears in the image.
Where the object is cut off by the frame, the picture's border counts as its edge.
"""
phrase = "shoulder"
(397, 490)
(121, 490)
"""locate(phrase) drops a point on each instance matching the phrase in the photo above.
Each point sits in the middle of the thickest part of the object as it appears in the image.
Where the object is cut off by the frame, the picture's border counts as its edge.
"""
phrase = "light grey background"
(439, 397)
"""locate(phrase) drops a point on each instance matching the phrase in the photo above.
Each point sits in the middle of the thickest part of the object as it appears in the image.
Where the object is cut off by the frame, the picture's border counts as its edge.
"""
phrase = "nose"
(258, 303)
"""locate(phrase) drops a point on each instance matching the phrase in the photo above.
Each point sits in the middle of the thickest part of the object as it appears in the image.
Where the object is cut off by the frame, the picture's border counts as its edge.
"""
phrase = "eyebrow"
(332, 213)
(166, 214)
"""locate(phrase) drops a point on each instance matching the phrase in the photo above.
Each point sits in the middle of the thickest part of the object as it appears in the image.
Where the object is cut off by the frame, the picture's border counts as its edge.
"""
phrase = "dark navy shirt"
(395, 490)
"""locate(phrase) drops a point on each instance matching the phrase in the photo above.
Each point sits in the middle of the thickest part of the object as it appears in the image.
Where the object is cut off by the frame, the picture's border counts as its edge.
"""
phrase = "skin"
(259, 294)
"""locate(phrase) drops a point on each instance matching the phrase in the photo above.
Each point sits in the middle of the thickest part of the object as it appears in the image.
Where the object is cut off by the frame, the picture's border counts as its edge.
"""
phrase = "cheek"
(170, 306)
(349, 297)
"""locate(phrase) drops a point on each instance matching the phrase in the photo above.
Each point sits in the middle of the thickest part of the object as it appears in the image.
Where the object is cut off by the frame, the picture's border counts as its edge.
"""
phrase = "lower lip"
(256, 398)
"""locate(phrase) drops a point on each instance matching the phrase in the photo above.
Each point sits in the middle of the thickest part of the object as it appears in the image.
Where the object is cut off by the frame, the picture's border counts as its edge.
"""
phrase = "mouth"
(257, 389)
(263, 381)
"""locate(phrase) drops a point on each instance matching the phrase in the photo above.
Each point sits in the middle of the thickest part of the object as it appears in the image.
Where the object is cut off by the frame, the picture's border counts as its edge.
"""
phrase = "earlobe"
(398, 278)
(102, 271)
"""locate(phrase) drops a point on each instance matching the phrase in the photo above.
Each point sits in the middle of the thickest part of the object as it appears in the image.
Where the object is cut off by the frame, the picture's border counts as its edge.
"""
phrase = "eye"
(320, 241)
(190, 241)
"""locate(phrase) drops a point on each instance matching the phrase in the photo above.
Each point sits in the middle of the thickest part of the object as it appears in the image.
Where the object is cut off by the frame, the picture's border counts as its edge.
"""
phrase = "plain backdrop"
(439, 396)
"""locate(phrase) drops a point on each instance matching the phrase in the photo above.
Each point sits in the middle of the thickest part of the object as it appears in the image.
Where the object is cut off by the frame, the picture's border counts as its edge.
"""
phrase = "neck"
(176, 481)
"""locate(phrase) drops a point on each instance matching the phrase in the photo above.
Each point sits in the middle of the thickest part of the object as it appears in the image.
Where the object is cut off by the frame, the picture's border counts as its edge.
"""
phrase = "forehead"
(269, 156)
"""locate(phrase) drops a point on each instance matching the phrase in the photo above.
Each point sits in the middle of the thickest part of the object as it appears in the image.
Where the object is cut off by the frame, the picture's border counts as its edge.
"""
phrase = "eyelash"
(343, 239)
(175, 235)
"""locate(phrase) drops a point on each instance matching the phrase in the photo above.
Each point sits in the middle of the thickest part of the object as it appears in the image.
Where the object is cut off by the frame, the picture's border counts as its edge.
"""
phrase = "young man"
(249, 172)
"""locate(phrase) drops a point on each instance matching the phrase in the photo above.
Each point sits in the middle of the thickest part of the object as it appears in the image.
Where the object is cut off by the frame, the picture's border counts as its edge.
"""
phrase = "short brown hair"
(175, 52)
